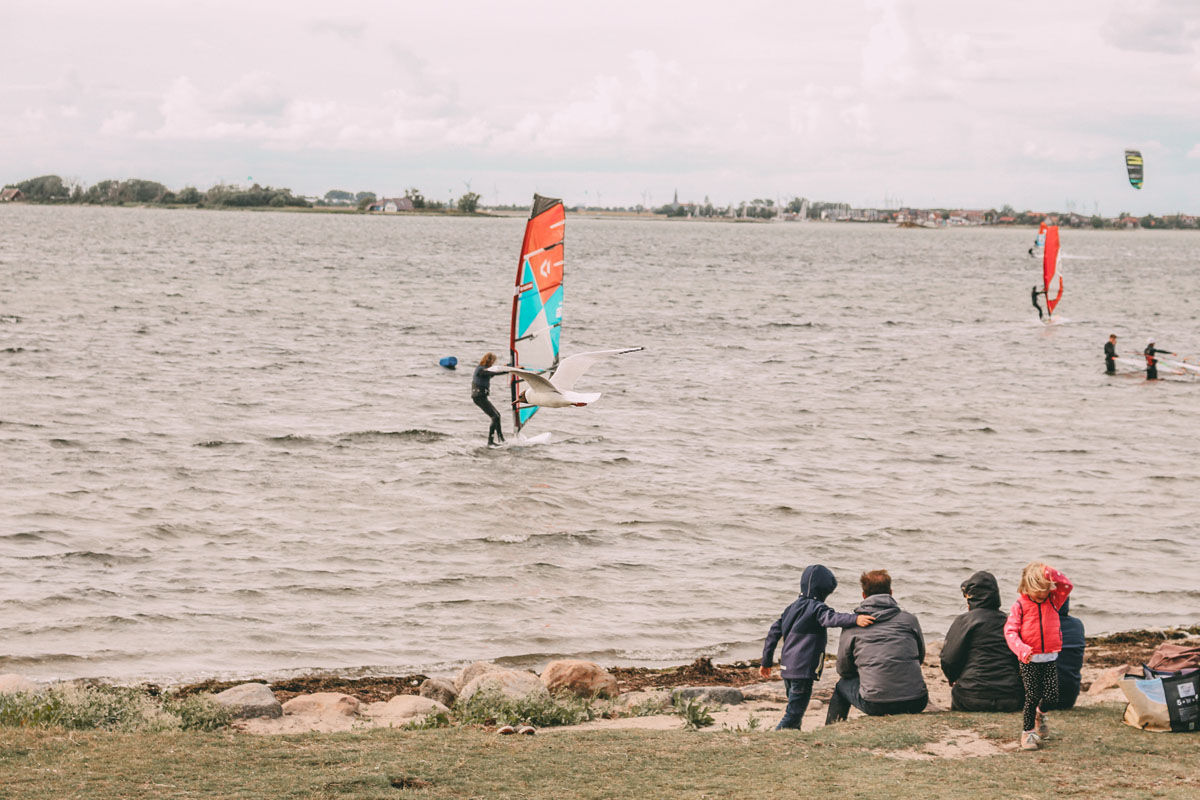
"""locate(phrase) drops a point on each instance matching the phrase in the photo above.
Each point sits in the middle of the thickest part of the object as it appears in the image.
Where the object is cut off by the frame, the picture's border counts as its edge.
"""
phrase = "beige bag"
(1162, 704)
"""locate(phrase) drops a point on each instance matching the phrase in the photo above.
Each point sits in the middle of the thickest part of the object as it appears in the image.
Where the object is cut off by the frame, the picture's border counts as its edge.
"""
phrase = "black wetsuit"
(1110, 352)
(1035, 302)
(481, 382)
(1152, 362)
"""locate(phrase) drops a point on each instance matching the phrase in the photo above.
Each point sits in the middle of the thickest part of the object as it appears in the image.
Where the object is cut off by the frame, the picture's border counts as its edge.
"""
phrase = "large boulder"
(322, 704)
(17, 684)
(581, 678)
(402, 709)
(250, 700)
(439, 689)
(771, 692)
(511, 683)
(473, 671)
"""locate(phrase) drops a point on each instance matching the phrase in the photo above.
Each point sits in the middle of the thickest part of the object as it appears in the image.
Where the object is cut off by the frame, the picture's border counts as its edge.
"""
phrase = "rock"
(511, 683)
(323, 704)
(473, 671)
(647, 698)
(250, 700)
(17, 684)
(772, 692)
(725, 695)
(581, 678)
(402, 709)
(1108, 680)
(440, 690)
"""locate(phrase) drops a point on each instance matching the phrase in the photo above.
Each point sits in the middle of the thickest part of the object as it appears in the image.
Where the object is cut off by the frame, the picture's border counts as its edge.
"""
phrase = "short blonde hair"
(1034, 580)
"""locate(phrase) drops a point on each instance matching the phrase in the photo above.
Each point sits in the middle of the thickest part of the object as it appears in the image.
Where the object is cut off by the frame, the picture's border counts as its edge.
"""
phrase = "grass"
(1093, 755)
(117, 708)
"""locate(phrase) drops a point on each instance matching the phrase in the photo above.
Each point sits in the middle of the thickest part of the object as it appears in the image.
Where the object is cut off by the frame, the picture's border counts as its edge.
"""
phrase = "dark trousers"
(1068, 693)
(1151, 372)
(1041, 690)
(966, 701)
(1110, 367)
(481, 400)
(846, 694)
(799, 692)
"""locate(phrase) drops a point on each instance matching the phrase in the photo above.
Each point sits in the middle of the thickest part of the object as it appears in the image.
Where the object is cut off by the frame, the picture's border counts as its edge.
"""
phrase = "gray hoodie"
(886, 657)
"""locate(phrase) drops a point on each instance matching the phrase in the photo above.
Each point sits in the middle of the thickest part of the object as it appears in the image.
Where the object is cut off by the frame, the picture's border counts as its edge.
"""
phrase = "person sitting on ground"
(880, 666)
(1070, 658)
(982, 670)
(802, 629)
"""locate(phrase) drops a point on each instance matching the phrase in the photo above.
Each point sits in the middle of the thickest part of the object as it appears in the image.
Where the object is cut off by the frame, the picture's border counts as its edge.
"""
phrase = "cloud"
(350, 30)
(1168, 27)
(1195, 151)
(256, 94)
(118, 123)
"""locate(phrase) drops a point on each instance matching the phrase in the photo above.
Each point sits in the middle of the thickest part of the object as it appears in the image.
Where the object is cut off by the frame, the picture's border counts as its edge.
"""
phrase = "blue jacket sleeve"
(773, 636)
(828, 618)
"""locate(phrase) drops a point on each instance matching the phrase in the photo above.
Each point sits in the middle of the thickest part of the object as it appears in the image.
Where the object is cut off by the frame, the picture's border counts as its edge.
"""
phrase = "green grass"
(1092, 756)
(84, 707)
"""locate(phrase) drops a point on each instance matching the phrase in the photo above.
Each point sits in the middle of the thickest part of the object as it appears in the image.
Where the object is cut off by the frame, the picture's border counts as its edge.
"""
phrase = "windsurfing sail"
(1133, 165)
(537, 300)
(1050, 274)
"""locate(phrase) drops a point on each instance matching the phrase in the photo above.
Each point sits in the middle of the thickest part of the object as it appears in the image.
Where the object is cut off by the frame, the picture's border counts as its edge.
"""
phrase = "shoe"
(1040, 727)
(526, 730)
(506, 730)
(492, 444)
(1030, 740)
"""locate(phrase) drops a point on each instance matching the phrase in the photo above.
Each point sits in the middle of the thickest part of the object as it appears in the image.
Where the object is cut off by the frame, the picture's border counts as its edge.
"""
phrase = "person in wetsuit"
(1035, 301)
(1110, 352)
(480, 385)
(1151, 361)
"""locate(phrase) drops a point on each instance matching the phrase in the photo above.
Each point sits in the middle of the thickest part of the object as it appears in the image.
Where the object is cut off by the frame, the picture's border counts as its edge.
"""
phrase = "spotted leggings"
(1041, 689)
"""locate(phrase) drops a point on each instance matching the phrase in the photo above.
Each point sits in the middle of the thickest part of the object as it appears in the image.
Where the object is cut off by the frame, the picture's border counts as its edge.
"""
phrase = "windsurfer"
(1110, 352)
(1151, 361)
(1035, 301)
(480, 385)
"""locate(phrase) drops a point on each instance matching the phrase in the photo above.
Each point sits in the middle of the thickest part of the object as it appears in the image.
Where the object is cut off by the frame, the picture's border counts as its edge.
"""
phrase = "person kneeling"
(880, 666)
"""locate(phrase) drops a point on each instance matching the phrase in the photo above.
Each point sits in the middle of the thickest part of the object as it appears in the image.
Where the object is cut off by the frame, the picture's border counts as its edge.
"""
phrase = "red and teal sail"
(1051, 275)
(537, 299)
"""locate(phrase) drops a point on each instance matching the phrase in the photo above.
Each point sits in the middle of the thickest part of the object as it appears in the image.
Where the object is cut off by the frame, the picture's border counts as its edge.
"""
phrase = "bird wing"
(571, 368)
(535, 379)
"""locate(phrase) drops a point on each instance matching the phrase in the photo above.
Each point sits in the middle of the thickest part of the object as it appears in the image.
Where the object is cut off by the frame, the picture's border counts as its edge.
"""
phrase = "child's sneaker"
(1030, 740)
(1042, 729)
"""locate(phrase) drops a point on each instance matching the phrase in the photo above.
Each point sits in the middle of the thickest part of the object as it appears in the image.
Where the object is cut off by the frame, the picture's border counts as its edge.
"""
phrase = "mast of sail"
(537, 300)
(1050, 275)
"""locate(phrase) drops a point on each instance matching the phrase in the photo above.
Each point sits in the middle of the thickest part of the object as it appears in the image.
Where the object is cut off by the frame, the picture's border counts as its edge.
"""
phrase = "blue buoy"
(449, 362)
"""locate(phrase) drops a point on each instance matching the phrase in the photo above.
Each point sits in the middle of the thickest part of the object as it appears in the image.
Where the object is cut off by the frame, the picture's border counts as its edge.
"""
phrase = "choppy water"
(227, 447)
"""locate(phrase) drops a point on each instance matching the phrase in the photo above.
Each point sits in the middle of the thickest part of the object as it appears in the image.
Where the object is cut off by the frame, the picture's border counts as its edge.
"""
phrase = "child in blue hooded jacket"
(802, 629)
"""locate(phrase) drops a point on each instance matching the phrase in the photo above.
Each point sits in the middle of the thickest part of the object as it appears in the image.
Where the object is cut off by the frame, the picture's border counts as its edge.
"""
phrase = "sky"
(937, 103)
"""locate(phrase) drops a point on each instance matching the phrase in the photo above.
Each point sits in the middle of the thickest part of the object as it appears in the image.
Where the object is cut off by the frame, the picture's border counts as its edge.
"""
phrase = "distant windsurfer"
(1151, 362)
(480, 385)
(1110, 352)
(1035, 301)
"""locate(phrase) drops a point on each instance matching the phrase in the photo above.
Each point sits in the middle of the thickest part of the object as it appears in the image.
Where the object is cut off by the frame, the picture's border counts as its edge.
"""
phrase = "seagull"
(556, 391)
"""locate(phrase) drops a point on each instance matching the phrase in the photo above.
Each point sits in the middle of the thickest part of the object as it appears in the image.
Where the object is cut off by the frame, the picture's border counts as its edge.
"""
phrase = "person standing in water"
(480, 385)
(1035, 301)
(1151, 361)
(1110, 352)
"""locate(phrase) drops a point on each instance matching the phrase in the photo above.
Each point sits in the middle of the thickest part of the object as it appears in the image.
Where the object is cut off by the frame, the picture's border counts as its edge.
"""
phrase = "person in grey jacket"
(880, 666)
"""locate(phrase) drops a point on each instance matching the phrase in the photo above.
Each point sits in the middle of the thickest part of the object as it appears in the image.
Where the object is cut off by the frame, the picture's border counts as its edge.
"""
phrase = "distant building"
(11, 195)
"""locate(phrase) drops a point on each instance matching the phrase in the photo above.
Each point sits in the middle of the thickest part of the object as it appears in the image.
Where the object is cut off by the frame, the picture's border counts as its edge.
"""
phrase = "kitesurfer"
(1151, 361)
(1110, 352)
(1035, 301)
(480, 384)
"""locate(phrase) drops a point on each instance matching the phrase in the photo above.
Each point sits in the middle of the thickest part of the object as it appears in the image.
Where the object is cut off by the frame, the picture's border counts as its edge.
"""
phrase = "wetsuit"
(481, 382)
(1152, 362)
(1110, 352)
(1035, 302)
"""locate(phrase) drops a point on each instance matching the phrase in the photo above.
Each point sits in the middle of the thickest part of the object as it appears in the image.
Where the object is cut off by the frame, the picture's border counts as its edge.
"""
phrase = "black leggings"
(1041, 688)
(481, 400)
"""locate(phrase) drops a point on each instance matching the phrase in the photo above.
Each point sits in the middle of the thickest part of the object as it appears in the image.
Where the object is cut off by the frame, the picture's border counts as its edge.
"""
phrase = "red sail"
(1050, 274)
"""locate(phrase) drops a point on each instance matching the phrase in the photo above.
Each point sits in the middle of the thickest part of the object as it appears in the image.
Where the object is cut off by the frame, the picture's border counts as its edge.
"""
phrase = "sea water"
(227, 447)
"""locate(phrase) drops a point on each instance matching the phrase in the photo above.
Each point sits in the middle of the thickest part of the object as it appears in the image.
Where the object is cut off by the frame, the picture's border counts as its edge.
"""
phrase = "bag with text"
(1166, 703)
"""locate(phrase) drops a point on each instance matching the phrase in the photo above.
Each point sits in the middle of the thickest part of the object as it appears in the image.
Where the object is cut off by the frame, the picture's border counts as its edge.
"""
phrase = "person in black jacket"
(1110, 352)
(802, 629)
(976, 659)
(1035, 301)
(480, 385)
(1151, 362)
(1070, 658)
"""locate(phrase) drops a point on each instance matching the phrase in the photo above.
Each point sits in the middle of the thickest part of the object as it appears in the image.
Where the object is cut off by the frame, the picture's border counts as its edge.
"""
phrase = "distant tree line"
(53, 189)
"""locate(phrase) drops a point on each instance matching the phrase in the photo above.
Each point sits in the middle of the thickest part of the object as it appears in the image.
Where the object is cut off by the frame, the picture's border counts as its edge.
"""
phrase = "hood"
(982, 591)
(1066, 608)
(817, 582)
(880, 606)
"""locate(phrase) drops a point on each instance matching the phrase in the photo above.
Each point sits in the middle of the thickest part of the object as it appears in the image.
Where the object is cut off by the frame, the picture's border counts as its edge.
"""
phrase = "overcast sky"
(959, 104)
